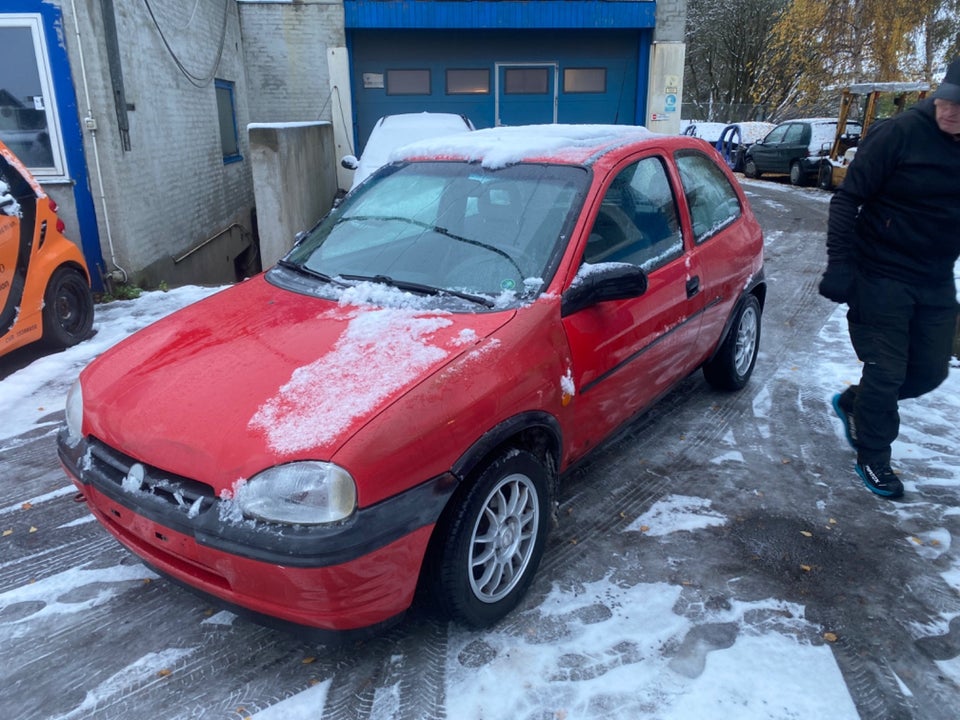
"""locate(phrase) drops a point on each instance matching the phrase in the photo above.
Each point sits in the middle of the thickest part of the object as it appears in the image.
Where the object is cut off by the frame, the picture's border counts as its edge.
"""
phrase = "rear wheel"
(493, 539)
(797, 176)
(825, 177)
(731, 367)
(67, 308)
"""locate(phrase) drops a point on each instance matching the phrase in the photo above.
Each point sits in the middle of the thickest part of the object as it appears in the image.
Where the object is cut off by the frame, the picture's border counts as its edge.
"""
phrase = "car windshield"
(448, 229)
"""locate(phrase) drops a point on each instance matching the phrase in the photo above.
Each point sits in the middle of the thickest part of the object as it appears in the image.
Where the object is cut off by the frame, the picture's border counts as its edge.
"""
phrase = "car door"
(794, 145)
(17, 214)
(626, 353)
(720, 244)
(764, 154)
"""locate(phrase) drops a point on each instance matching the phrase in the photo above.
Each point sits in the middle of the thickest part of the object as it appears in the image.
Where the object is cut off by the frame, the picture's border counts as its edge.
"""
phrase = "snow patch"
(676, 513)
(380, 351)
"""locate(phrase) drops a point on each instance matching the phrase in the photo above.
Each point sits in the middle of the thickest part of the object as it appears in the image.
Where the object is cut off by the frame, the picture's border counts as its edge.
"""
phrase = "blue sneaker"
(846, 417)
(880, 479)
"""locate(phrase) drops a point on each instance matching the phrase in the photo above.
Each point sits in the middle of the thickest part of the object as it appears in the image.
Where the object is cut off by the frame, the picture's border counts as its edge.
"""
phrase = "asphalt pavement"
(770, 459)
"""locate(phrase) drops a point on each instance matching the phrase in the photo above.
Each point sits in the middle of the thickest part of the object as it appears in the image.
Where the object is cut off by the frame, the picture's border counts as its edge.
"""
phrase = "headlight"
(74, 410)
(301, 493)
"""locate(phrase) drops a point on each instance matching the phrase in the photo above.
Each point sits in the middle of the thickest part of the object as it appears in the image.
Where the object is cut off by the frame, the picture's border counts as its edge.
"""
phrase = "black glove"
(837, 282)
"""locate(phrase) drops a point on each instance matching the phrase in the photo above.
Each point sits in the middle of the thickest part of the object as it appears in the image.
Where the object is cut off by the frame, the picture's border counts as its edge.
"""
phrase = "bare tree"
(726, 46)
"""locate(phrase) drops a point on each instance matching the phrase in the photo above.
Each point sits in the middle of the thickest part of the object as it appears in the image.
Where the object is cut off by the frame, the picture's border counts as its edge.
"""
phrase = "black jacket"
(897, 212)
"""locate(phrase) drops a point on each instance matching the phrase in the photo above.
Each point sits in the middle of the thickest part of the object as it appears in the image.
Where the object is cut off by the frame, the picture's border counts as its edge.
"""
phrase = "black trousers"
(903, 333)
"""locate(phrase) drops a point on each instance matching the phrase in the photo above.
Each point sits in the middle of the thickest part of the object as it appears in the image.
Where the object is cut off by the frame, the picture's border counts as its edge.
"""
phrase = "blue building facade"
(501, 62)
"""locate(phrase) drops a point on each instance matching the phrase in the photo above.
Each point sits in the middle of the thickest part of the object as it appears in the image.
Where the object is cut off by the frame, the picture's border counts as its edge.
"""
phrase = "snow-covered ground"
(614, 633)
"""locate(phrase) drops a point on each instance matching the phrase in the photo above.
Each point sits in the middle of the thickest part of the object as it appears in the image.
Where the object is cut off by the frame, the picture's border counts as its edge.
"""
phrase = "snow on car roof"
(501, 146)
(752, 131)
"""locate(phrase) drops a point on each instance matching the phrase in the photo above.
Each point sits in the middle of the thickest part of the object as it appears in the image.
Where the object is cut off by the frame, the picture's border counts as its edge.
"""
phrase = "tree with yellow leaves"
(821, 44)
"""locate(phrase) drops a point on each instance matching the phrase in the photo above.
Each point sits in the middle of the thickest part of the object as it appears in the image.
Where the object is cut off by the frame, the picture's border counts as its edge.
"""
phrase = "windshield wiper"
(308, 271)
(421, 288)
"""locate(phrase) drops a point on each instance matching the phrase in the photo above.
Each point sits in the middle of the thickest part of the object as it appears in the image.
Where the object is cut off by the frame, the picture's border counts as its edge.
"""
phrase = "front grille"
(112, 466)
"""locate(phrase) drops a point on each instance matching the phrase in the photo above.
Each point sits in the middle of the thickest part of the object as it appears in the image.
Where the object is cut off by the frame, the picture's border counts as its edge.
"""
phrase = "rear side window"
(712, 200)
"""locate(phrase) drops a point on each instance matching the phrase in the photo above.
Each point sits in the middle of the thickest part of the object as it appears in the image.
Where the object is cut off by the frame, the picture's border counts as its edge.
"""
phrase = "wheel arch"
(536, 431)
(758, 289)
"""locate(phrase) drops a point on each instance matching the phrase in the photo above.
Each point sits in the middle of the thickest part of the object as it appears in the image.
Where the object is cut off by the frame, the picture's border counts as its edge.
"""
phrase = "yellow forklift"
(833, 168)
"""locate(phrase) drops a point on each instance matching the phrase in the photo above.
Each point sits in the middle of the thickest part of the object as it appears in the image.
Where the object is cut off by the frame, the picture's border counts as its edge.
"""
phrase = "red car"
(395, 402)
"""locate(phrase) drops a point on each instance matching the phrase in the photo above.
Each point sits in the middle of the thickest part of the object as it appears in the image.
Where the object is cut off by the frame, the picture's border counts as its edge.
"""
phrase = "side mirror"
(602, 283)
(349, 162)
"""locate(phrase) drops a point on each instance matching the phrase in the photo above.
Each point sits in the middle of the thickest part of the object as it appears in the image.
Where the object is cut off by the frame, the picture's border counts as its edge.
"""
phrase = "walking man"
(893, 236)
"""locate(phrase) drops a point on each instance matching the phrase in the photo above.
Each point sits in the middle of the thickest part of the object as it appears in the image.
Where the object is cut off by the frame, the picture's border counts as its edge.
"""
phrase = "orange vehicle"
(44, 281)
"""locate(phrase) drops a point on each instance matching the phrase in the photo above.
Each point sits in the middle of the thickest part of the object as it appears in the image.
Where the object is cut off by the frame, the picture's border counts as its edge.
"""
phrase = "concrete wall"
(665, 85)
(171, 192)
(295, 179)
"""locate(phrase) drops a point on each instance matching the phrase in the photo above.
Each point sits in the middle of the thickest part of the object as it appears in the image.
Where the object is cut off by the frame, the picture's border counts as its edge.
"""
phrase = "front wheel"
(797, 176)
(493, 540)
(67, 308)
(750, 168)
(731, 367)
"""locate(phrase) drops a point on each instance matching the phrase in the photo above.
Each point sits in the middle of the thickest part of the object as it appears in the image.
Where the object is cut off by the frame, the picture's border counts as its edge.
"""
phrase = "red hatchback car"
(394, 403)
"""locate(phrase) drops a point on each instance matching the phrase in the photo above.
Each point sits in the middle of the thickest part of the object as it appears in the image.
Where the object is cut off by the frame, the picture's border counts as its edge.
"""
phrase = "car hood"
(256, 375)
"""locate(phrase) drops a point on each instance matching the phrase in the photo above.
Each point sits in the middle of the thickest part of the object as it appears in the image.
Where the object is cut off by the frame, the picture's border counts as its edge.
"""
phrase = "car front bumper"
(361, 573)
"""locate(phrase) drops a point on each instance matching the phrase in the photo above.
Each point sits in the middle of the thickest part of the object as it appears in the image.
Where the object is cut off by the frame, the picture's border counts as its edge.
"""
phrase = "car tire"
(67, 309)
(491, 543)
(825, 177)
(738, 159)
(732, 365)
(750, 169)
(797, 176)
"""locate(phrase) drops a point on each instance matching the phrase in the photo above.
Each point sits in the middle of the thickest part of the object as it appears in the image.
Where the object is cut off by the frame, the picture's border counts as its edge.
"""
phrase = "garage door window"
(585, 80)
(526, 81)
(468, 82)
(408, 82)
(28, 117)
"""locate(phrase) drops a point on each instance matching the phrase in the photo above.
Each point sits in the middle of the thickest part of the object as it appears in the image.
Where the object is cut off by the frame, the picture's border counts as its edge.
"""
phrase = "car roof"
(812, 121)
(570, 144)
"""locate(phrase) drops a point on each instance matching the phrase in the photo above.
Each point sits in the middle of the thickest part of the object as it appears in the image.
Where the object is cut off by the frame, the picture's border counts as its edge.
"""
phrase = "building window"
(227, 114)
(468, 82)
(29, 123)
(408, 82)
(585, 80)
(526, 81)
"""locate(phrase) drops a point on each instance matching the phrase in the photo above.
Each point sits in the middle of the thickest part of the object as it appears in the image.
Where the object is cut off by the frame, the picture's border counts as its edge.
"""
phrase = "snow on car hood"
(257, 375)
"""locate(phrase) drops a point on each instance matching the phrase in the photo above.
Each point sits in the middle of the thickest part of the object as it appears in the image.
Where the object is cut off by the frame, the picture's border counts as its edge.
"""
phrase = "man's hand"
(837, 282)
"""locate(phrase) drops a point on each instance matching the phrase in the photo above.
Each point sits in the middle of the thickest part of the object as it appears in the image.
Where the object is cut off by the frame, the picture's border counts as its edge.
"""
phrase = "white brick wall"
(285, 49)
(172, 190)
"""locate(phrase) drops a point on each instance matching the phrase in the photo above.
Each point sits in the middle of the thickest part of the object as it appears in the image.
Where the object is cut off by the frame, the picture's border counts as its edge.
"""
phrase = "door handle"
(693, 286)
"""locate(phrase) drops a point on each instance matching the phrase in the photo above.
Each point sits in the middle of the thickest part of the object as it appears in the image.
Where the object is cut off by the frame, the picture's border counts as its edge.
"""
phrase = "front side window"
(29, 123)
(776, 135)
(713, 202)
(637, 222)
(226, 112)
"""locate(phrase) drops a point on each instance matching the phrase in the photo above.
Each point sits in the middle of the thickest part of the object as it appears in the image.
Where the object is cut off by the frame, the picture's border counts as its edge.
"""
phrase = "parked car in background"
(796, 148)
(709, 131)
(44, 281)
(394, 131)
(393, 405)
(735, 138)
